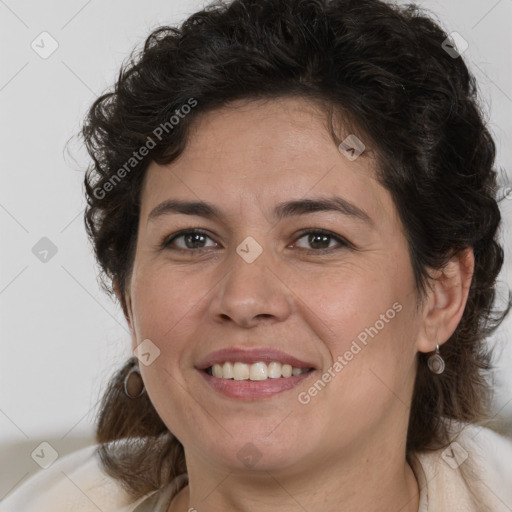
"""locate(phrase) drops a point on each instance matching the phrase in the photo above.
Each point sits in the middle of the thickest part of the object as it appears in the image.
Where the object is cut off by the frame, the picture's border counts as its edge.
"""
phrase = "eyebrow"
(281, 211)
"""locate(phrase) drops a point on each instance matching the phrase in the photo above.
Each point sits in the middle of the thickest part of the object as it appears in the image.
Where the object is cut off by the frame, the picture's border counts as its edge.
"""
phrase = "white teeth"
(217, 370)
(286, 370)
(256, 371)
(240, 371)
(227, 371)
(274, 370)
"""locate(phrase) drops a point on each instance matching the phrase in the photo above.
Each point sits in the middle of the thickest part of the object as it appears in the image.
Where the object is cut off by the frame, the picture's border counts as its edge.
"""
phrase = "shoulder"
(476, 466)
(75, 482)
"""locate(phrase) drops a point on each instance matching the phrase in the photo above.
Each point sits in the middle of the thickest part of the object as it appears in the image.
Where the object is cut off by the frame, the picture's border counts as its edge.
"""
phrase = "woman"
(294, 202)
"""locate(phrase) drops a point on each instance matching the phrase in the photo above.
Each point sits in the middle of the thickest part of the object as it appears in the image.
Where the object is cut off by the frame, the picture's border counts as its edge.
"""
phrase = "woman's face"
(255, 281)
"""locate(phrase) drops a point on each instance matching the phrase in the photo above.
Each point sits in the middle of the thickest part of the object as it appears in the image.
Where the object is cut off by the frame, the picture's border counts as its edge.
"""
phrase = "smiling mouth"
(258, 371)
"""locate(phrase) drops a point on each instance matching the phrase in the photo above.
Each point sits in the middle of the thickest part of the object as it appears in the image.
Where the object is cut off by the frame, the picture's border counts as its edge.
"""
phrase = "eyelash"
(165, 244)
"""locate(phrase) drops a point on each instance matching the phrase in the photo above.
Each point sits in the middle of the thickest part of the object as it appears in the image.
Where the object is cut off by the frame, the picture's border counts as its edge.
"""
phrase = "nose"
(252, 292)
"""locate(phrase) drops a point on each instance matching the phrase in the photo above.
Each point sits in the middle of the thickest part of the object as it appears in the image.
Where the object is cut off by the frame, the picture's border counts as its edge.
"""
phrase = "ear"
(446, 301)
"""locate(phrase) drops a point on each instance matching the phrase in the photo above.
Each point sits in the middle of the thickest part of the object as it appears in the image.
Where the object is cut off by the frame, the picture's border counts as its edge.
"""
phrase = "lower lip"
(249, 389)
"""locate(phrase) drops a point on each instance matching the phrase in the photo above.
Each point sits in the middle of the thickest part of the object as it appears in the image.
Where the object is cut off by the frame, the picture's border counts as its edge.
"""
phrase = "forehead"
(264, 152)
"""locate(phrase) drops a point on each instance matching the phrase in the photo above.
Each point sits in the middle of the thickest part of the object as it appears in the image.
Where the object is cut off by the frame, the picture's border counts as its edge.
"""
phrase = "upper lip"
(250, 356)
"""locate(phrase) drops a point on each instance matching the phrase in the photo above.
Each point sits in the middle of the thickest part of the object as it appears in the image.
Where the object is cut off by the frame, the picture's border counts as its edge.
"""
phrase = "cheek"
(349, 298)
(165, 303)
(364, 316)
(165, 307)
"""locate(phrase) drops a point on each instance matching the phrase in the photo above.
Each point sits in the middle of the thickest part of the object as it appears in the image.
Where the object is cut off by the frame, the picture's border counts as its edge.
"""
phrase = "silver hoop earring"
(133, 384)
(436, 363)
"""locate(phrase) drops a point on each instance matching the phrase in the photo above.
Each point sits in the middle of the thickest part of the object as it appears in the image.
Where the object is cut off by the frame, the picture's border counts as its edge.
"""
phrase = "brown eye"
(320, 240)
(193, 239)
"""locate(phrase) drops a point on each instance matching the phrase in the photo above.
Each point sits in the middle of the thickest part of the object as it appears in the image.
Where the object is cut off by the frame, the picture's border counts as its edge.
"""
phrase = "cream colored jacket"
(77, 482)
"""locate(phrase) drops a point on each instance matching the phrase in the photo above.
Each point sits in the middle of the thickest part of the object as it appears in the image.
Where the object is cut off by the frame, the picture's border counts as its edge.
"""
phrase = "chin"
(253, 453)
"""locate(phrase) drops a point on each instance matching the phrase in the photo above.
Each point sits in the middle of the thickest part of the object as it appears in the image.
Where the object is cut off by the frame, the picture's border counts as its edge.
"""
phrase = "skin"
(345, 449)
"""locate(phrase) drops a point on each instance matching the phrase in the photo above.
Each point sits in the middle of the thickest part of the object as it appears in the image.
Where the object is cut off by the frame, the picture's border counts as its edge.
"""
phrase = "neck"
(376, 481)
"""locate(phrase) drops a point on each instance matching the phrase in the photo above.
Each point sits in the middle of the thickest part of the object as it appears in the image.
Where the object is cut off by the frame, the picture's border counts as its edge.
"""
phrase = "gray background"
(61, 336)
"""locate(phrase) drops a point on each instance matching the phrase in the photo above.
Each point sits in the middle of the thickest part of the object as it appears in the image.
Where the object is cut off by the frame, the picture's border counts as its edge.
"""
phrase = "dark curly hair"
(384, 71)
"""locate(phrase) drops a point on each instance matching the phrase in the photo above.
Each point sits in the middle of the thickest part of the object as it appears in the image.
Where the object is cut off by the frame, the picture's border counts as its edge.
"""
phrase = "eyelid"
(342, 241)
(167, 240)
